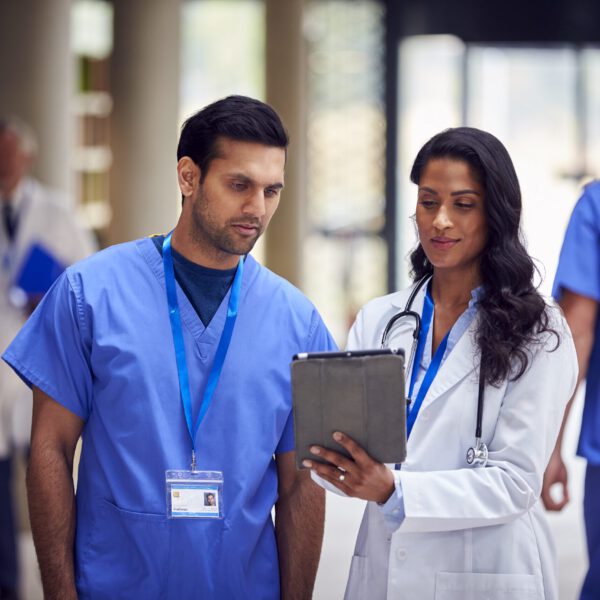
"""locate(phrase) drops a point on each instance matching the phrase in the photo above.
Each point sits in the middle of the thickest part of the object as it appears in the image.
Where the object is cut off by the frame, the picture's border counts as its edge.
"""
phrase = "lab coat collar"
(459, 364)
(462, 361)
(399, 299)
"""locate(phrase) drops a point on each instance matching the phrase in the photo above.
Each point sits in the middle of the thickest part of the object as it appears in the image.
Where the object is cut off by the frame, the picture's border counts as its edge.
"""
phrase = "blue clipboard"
(39, 270)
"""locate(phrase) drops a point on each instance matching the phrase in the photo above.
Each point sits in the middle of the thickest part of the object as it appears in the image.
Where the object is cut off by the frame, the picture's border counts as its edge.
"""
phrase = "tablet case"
(360, 393)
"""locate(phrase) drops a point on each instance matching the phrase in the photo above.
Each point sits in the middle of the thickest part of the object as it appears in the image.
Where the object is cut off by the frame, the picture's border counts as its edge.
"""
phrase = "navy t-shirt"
(205, 288)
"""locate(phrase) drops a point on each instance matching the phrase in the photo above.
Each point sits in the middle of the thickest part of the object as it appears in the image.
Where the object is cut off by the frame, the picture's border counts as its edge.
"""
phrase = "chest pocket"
(487, 586)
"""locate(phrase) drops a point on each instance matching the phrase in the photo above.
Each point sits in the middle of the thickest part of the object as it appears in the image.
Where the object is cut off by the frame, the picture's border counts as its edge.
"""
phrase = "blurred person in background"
(130, 349)
(461, 518)
(577, 290)
(39, 236)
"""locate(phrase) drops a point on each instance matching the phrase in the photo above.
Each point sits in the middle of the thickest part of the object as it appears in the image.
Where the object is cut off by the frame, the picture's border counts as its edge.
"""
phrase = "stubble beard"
(206, 232)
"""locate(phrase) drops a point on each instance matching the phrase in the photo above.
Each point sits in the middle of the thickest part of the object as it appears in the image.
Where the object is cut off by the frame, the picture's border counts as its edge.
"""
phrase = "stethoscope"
(477, 454)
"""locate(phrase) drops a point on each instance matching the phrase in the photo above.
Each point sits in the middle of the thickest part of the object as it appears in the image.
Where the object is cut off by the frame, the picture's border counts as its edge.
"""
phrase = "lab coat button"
(424, 416)
(401, 554)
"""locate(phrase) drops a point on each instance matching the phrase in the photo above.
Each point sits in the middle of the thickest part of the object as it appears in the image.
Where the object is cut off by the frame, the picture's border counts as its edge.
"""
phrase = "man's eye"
(238, 186)
(271, 193)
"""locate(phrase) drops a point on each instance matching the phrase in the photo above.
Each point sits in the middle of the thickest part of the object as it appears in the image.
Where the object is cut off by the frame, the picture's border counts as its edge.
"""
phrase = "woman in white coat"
(442, 527)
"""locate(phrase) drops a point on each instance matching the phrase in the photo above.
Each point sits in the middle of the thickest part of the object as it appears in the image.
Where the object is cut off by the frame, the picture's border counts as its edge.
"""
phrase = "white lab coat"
(45, 218)
(470, 532)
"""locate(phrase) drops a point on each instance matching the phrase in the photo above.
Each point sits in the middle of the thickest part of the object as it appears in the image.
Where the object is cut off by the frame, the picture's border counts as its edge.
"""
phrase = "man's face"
(13, 161)
(240, 193)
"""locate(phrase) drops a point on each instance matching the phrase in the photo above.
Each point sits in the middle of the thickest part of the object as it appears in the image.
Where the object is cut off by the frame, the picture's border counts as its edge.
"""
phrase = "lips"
(443, 243)
(245, 228)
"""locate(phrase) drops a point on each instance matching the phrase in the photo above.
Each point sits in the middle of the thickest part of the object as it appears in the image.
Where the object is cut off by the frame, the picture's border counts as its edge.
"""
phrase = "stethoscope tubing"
(479, 452)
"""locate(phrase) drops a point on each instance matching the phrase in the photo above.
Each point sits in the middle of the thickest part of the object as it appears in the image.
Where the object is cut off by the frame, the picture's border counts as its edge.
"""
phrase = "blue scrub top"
(100, 344)
(579, 271)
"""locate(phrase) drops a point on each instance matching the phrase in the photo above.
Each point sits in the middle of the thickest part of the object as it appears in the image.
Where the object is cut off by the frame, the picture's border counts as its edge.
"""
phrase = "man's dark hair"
(237, 118)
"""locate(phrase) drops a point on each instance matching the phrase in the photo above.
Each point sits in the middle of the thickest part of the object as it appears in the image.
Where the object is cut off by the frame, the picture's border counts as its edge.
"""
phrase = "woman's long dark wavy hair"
(512, 312)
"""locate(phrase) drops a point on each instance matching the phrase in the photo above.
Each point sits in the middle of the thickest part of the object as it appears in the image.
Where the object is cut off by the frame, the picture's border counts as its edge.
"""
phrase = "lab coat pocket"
(487, 586)
(127, 554)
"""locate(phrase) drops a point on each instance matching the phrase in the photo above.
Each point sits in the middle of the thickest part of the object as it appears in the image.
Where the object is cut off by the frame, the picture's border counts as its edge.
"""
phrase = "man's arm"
(54, 435)
(581, 313)
(299, 522)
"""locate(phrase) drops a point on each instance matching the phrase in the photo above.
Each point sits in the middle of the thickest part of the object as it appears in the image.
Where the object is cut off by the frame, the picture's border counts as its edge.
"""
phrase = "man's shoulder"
(585, 216)
(276, 287)
(593, 188)
(113, 260)
(590, 196)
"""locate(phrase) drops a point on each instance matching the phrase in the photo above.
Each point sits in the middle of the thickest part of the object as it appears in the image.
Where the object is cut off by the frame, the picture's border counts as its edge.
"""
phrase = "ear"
(188, 176)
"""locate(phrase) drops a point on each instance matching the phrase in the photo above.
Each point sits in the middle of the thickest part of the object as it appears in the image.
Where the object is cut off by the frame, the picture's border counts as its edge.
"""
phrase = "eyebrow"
(274, 186)
(457, 193)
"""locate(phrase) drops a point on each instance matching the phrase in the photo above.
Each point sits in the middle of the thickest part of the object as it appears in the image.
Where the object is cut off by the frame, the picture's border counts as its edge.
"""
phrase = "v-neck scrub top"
(100, 344)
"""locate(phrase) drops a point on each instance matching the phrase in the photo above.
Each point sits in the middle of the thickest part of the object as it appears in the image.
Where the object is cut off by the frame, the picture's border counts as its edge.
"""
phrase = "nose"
(255, 204)
(442, 219)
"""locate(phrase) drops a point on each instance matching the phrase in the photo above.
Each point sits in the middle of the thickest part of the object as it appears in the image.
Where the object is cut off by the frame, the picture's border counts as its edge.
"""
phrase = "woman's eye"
(427, 203)
(464, 205)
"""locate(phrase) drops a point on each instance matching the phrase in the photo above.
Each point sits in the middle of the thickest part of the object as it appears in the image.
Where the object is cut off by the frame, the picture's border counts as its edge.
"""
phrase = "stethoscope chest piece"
(477, 456)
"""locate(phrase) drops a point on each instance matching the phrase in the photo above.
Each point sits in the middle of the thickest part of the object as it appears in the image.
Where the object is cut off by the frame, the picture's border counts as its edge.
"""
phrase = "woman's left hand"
(359, 476)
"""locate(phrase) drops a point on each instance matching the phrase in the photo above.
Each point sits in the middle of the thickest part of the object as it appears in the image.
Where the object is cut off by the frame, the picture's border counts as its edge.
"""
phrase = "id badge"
(194, 494)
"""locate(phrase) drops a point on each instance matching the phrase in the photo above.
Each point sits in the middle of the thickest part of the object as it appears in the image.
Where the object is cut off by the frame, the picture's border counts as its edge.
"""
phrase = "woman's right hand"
(359, 477)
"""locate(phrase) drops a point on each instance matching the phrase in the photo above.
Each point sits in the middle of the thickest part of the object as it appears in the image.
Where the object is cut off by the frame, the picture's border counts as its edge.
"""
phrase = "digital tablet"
(359, 392)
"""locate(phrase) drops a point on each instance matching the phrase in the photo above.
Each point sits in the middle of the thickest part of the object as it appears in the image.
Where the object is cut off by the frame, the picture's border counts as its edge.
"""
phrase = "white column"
(286, 93)
(144, 127)
(37, 79)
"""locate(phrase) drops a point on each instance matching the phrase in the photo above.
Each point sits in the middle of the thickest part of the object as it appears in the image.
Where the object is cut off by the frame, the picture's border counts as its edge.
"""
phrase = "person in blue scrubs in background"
(577, 290)
(172, 354)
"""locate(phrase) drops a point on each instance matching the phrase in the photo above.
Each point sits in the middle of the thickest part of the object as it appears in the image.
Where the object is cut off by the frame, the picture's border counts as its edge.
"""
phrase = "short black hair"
(237, 118)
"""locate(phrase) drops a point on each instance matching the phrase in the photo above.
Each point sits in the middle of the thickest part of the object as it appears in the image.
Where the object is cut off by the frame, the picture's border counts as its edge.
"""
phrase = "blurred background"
(361, 85)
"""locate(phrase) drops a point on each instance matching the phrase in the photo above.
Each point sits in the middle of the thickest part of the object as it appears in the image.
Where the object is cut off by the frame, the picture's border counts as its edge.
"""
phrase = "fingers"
(358, 477)
(356, 451)
(549, 494)
(337, 477)
(332, 457)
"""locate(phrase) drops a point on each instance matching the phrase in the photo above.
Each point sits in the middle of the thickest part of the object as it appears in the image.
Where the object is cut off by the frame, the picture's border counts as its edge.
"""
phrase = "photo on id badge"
(194, 494)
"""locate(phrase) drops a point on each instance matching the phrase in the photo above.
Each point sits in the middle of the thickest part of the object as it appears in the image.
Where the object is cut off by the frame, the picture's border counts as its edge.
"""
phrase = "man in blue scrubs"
(172, 354)
(577, 289)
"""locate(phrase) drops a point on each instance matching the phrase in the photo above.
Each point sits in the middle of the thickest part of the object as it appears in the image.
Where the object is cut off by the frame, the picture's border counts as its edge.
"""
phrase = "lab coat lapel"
(460, 362)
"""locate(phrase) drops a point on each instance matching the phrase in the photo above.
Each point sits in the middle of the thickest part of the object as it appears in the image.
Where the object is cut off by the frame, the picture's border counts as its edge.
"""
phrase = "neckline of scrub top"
(180, 353)
(203, 336)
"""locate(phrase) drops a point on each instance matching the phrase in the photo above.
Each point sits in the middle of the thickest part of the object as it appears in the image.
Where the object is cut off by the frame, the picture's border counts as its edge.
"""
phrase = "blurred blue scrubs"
(579, 272)
(100, 344)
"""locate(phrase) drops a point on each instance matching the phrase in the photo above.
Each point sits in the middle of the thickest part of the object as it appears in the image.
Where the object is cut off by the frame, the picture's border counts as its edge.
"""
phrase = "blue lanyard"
(182, 370)
(434, 366)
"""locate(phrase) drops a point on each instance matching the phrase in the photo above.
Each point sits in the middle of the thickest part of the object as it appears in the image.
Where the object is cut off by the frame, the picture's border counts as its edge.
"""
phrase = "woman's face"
(450, 215)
